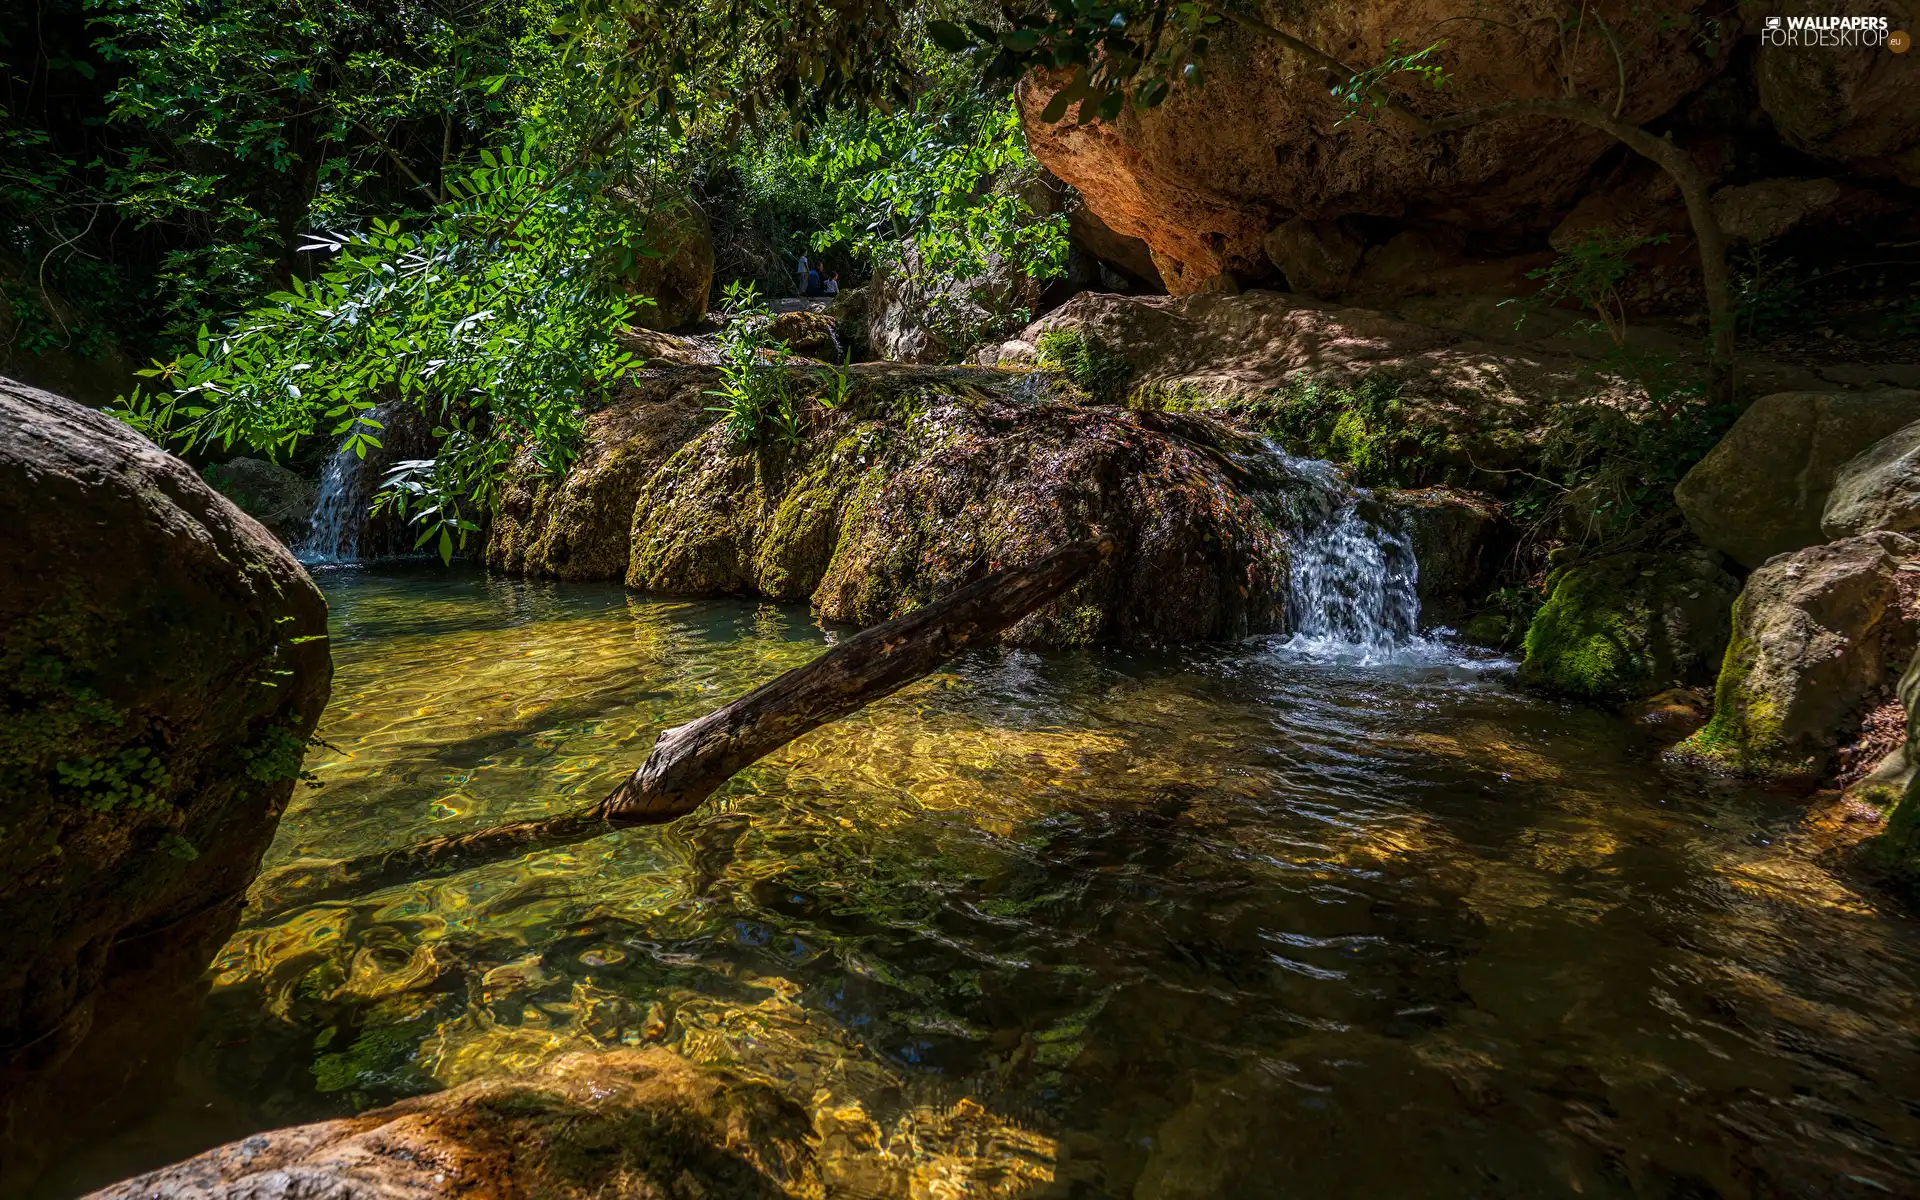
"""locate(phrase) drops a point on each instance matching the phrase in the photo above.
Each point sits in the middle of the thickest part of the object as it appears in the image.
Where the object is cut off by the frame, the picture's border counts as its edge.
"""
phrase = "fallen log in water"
(689, 762)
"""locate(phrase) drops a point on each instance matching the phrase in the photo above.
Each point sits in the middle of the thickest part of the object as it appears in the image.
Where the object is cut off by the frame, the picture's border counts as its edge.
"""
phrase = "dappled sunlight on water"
(1219, 923)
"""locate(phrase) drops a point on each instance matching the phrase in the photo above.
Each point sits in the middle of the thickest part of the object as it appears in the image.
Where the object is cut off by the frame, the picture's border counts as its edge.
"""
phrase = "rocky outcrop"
(162, 662)
(1852, 104)
(1763, 489)
(808, 334)
(1630, 625)
(1205, 176)
(919, 480)
(1879, 488)
(579, 525)
(922, 481)
(679, 277)
(641, 1123)
(1759, 212)
(267, 492)
(917, 316)
(1895, 786)
(1818, 635)
(1459, 539)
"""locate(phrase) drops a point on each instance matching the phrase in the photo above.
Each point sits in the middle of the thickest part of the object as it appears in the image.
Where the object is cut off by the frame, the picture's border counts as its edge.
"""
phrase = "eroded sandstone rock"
(162, 662)
(680, 279)
(1203, 177)
(642, 1123)
(1763, 489)
(1817, 635)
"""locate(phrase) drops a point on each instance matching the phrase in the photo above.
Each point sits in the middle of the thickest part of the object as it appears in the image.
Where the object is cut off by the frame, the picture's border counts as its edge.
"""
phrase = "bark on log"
(690, 762)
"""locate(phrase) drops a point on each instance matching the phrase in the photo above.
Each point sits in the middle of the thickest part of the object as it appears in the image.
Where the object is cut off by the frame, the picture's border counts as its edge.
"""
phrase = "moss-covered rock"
(924, 480)
(1817, 637)
(914, 482)
(162, 662)
(1629, 625)
(577, 525)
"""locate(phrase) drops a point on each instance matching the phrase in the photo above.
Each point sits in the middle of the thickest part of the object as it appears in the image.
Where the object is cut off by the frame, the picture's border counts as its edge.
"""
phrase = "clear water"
(1230, 922)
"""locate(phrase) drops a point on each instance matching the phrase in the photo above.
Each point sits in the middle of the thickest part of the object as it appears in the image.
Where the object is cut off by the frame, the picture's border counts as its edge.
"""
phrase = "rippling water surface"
(1217, 923)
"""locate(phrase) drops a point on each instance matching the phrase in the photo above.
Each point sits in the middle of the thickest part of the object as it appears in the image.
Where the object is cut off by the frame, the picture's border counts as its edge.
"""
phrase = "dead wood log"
(690, 762)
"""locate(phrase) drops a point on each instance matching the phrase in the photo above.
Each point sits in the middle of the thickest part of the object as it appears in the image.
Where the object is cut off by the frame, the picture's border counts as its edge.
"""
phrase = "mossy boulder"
(1818, 636)
(163, 660)
(640, 1123)
(913, 483)
(578, 525)
(923, 480)
(1629, 625)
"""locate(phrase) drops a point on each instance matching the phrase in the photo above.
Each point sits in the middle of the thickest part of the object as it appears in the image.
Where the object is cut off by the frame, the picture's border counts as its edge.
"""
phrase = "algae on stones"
(1629, 625)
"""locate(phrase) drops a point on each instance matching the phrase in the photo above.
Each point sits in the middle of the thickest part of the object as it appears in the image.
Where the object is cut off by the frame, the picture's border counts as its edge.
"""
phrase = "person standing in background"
(832, 286)
(805, 266)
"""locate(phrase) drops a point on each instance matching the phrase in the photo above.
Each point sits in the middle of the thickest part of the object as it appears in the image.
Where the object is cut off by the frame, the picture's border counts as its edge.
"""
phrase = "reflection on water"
(1210, 924)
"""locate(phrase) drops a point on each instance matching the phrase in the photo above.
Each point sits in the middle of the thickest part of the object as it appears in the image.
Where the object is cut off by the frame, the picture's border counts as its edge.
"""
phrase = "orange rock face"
(1203, 178)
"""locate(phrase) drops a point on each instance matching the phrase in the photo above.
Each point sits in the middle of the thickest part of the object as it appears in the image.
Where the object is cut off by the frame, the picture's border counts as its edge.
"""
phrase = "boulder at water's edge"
(1763, 489)
(1818, 635)
(163, 660)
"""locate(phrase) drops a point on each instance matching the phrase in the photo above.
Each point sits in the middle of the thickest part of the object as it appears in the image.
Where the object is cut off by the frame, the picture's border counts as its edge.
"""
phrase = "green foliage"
(1094, 367)
(1608, 465)
(1364, 93)
(1590, 271)
(1769, 294)
(757, 403)
(491, 318)
(1364, 424)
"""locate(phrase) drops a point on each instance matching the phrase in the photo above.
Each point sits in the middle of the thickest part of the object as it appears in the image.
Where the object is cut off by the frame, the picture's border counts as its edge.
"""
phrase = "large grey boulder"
(1763, 490)
(1879, 488)
(1818, 636)
(162, 662)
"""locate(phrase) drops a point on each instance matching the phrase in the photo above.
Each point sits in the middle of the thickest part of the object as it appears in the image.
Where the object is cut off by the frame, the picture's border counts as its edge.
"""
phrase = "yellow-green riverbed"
(1220, 922)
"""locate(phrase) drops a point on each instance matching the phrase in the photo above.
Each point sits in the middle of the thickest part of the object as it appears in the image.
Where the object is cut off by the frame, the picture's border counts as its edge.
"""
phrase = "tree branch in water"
(691, 762)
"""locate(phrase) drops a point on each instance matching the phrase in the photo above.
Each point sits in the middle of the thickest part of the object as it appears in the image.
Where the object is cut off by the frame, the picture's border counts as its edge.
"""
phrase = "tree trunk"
(690, 762)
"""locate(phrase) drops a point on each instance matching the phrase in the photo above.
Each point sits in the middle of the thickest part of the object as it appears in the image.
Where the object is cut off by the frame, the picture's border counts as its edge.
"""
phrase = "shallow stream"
(1241, 921)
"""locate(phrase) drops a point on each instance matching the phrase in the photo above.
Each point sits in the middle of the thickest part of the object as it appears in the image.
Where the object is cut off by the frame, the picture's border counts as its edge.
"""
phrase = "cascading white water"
(339, 512)
(337, 531)
(1353, 578)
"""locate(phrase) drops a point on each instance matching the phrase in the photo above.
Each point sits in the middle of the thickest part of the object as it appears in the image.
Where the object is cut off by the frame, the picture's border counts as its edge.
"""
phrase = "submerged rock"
(642, 1123)
(1630, 625)
(162, 662)
(1817, 637)
(1763, 489)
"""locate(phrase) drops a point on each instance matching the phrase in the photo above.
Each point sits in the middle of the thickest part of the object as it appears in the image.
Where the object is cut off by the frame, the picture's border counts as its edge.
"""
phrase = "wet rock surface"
(163, 660)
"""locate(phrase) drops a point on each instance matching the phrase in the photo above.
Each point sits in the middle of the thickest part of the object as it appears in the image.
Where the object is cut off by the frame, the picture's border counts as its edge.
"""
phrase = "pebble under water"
(1235, 921)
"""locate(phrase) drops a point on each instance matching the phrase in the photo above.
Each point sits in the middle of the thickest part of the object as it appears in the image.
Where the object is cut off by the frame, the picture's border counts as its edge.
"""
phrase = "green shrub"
(1092, 366)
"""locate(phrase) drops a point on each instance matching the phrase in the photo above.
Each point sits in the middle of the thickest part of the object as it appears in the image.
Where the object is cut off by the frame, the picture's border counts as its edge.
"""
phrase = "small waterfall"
(341, 529)
(1353, 577)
